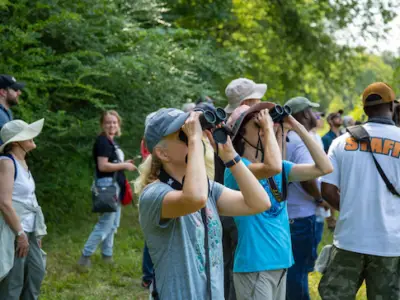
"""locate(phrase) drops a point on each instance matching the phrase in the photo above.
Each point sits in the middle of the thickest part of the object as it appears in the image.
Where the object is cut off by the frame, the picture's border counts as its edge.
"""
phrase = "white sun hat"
(18, 131)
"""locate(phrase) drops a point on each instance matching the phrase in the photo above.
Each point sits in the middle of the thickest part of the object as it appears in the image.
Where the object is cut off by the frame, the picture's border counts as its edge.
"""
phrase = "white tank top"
(24, 191)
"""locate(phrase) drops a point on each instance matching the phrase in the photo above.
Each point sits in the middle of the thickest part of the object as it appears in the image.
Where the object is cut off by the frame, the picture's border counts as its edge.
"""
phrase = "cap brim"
(30, 132)
(18, 86)
(255, 108)
(177, 123)
(259, 92)
(314, 105)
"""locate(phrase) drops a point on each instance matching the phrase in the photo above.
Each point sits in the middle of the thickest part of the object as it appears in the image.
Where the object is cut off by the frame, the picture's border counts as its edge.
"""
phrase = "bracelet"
(233, 162)
(20, 232)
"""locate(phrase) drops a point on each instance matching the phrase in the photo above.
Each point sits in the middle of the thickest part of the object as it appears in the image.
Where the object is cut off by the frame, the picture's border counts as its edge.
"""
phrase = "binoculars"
(210, 119)
(278, 113)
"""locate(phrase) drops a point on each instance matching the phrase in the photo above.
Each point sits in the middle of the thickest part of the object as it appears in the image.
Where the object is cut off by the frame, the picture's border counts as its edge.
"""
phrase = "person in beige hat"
(21, 220)
(240, 92)
(243, 91)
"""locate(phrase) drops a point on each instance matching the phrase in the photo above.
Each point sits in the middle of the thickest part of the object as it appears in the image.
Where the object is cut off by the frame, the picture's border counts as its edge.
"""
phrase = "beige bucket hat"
(18, 131)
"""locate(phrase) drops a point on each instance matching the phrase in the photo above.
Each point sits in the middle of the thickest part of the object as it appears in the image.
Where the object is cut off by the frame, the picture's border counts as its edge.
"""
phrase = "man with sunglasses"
(10, 90)
(335, 122)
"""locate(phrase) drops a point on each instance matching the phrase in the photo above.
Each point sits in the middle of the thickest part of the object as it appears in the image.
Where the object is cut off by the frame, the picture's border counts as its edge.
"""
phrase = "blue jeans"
(103, 232)
(319, 231)
(304, 249)
(147, 266)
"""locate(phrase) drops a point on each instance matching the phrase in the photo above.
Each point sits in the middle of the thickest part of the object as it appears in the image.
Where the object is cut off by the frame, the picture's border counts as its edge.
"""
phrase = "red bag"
(128, 196)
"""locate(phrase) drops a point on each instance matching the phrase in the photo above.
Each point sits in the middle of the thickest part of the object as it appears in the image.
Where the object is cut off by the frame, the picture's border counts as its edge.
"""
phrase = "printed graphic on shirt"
(379, 145)
(276, 207)
(214, 233)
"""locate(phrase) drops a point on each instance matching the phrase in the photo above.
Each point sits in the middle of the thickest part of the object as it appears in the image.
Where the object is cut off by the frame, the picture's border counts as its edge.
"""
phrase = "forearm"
(253, 193)
(320, 159)
(281, 142)
(272, 153)
(11, 218)
(311, 188)
(331, 195)
(195, 187)
(112, 167)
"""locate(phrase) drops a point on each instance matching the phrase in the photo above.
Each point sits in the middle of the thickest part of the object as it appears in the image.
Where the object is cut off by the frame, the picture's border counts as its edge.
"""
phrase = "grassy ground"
(64, 280)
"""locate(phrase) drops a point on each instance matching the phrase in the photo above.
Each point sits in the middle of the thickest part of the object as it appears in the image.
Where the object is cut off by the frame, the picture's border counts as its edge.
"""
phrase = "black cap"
(7, 81)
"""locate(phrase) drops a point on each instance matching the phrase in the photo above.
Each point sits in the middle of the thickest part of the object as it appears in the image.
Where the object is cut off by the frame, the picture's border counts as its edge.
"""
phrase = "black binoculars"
(210, 119)
(278, 113)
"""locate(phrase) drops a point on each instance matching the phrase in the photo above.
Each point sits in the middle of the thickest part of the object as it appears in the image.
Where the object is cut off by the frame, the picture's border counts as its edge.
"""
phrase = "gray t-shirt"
(177, 246)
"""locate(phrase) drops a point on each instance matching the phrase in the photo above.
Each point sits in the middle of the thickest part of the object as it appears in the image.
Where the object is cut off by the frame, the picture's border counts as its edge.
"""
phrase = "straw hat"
(18, 131)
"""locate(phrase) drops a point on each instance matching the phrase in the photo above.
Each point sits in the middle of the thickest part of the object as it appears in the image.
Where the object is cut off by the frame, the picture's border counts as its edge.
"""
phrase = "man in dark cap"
(10, 90)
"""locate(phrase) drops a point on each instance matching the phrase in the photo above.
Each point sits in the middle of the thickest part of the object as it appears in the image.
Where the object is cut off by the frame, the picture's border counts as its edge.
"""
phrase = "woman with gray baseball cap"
(21, 220)
(179, 207)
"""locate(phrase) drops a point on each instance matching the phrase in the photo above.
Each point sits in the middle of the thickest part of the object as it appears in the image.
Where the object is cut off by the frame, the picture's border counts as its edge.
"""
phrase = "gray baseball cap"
(148, 117)
(242, 89)
(164, 122)
(298, 104)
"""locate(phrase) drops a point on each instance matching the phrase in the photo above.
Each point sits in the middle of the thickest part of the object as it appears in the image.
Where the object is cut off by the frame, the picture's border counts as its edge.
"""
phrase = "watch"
(233, 162)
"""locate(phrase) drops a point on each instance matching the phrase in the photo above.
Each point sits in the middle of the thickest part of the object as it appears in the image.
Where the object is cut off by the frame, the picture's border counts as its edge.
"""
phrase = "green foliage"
(81, 57)
(288, 44)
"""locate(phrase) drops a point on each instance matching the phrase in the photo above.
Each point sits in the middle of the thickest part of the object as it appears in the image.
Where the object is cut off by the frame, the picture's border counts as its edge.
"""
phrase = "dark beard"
(11, 101)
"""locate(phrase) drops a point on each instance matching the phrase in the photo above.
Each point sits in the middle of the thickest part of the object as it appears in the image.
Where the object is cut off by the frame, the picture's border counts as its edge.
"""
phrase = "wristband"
(233, 162)
(319, 201)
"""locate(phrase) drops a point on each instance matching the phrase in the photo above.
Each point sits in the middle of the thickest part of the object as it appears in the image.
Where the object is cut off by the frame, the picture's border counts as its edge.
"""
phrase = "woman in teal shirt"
(264, 247)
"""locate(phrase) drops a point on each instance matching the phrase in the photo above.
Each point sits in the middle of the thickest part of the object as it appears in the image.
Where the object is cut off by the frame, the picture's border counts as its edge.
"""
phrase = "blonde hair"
(148, 173)
(111, 113)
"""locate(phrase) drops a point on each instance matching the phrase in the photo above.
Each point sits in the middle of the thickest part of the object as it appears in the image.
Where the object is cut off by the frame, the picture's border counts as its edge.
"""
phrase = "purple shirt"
(300, 204)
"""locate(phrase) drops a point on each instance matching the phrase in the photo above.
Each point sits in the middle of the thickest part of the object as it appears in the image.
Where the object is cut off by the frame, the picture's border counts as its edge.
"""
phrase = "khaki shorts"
(265, 285)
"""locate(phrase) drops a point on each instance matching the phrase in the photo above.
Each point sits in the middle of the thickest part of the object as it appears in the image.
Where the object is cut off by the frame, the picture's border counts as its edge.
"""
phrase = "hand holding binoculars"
(278, 113)
(211, 118)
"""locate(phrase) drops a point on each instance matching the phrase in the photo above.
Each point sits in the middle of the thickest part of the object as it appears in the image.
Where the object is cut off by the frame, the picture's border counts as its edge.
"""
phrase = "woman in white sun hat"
(21, 220)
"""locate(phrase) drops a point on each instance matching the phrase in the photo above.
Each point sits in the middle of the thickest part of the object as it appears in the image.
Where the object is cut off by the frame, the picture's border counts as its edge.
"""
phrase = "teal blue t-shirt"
(264, 239)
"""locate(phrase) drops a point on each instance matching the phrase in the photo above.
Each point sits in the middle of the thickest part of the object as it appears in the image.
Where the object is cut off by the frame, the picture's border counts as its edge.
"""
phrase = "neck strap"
(171, 181)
